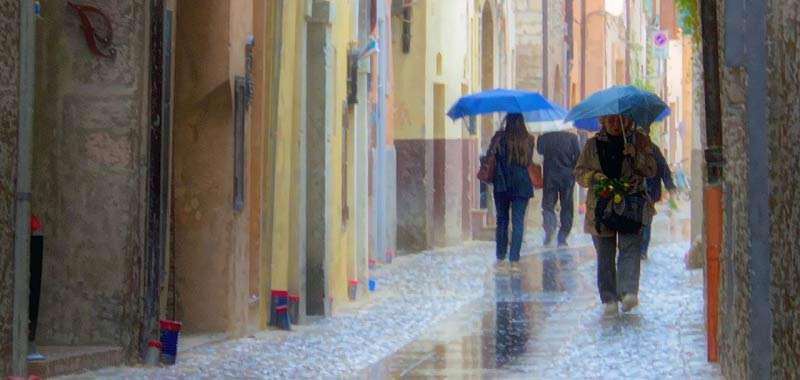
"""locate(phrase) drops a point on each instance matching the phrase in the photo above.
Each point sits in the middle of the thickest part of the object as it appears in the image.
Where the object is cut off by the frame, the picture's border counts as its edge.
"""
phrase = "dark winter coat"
(511, 179)
(663, 175)
(560, 151)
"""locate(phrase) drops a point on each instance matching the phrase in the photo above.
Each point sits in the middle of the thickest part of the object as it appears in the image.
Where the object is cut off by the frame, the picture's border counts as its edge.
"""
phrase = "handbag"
(486, 171)
(625, 217)
(489, 162)
(535, 173)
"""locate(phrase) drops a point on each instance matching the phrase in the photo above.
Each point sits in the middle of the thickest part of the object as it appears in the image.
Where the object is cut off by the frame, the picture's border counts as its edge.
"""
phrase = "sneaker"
(563, 244)
(548, 239)
(501, 266)
(515, 267)
(611, 309)
(629, 301)
(644, 256)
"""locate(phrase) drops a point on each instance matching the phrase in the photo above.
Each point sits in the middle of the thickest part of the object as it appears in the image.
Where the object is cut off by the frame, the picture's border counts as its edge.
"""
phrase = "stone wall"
(9, 109)
(735, 285)
(88, 175)
(528, 17)
(783, 65)
(737, 353)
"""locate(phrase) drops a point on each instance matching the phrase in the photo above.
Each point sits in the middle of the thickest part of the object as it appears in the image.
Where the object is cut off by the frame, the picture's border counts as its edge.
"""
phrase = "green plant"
(689, 17)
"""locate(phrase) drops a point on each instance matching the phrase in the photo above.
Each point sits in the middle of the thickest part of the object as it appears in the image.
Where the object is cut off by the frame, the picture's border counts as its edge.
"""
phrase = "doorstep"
(63, 360)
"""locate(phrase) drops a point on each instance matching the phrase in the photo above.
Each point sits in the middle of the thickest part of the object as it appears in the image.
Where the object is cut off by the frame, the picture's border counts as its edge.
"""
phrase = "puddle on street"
(488, 334)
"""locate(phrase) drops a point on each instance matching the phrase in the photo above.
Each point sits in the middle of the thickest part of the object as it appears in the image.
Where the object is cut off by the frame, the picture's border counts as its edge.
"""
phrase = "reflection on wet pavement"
(546, 322)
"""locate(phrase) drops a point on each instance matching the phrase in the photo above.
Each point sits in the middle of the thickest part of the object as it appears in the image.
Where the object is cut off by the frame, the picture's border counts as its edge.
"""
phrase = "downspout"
(583, 49)
(380, 140)
(627, 41)
(545, 49)
(714, 161)
(27, 46)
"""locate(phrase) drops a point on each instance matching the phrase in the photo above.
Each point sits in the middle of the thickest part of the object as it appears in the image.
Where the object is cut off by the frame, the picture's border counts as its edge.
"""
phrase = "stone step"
(63, 360)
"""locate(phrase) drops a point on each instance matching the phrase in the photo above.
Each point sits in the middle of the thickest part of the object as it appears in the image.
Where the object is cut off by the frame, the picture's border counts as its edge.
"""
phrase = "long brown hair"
(518, 140)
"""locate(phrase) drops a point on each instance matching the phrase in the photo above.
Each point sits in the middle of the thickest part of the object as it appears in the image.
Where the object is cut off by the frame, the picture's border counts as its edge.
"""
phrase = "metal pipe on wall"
(27, 46)
(380, 140)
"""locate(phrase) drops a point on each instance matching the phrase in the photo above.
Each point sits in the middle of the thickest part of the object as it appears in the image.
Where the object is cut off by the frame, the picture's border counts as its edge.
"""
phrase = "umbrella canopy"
(547, 126)
(641, 106)
(593, 124)
(531, 104)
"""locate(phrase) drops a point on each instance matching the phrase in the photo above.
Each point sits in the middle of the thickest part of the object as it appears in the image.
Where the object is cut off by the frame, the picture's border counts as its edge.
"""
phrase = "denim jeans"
(618, 276)
(504, 206)
(645, 239)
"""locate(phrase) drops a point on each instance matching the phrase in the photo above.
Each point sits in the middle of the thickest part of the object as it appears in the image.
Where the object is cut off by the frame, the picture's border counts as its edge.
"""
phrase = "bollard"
(352, 289)
(278, 298)
(294, 309)
(282, 313)
(170, 330)
(153, 353)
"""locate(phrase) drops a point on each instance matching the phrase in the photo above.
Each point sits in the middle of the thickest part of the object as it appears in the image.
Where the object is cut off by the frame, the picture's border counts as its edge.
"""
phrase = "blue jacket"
(510, 179)
(663, 175)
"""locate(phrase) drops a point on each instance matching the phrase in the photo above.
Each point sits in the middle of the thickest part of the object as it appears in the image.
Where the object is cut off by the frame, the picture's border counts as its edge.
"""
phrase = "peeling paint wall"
(9, 110)
(88, 175)
(783, 65)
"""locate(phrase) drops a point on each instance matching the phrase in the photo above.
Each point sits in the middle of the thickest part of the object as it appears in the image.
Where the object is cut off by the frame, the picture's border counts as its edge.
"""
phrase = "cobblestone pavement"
(547, 323)
(447, 304)
(414, 292)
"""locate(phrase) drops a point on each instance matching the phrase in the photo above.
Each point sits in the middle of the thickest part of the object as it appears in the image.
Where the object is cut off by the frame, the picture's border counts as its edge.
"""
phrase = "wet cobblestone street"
(447, 313)
(547, 323)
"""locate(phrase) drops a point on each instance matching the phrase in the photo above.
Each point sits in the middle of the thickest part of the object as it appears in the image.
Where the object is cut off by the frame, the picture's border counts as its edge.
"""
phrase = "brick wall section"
(9, 109)
(783, 65)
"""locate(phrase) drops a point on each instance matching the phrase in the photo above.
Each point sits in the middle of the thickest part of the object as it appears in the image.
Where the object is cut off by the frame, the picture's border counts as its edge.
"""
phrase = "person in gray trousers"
(618, 151)
(560, 151)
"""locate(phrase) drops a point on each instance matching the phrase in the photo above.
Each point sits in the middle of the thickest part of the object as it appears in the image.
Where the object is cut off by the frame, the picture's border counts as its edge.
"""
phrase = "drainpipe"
(380, 140)
(583, 49)
(627, 42)
(27, 45)
(714, 161)
(545, 50)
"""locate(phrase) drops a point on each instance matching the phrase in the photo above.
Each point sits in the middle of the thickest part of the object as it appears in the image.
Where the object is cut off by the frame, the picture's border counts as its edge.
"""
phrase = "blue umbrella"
(531, 104)
(641, 106)
(593, 124)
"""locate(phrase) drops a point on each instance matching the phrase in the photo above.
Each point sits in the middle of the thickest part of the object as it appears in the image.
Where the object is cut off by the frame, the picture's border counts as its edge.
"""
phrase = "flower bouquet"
(613, 188)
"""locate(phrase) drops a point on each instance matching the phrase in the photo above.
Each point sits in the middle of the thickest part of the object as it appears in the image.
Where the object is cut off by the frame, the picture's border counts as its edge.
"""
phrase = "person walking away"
(513, 149)
(663, 174)
(617, 152)
(560, 151)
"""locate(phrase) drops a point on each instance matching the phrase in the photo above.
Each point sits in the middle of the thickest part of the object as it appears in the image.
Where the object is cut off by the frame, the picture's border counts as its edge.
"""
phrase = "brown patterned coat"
(633, 171)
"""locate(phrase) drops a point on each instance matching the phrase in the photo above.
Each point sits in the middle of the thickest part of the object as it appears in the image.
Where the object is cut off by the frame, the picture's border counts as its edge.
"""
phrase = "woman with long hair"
(513, 148)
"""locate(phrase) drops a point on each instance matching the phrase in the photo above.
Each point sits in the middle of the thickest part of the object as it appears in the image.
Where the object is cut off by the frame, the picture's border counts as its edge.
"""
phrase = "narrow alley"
(381, 189)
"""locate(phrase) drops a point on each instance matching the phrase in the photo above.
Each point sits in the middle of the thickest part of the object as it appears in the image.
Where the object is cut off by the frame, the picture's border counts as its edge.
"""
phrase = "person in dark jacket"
(560, 150)
(663, 174)
(513, 149)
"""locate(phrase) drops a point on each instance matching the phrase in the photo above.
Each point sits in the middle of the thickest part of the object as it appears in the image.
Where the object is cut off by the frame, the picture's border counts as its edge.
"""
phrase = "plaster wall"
(9, 119)
(211, 237)
(89, 175)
